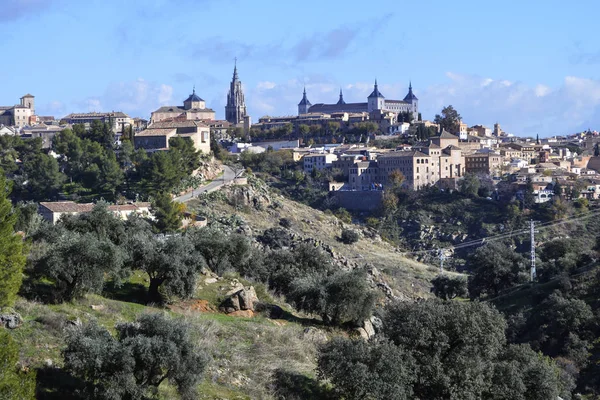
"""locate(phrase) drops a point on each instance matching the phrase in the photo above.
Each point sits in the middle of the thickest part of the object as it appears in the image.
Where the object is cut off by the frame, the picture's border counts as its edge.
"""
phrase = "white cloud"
(520, 108)
(136, 98)
(542, 90)
(265, 85)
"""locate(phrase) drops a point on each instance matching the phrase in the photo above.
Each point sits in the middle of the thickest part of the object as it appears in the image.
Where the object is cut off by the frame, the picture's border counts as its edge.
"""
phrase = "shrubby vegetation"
(132, 365)
(440, 350)
(88, 165)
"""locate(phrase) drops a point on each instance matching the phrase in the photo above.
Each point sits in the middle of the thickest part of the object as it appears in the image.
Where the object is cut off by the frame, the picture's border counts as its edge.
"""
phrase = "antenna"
(442, 257)
(533, 273)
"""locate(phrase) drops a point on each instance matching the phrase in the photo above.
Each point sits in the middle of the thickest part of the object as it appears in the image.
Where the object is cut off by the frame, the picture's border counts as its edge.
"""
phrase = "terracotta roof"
(180, 109)
(72, 207)
(67, 206)
(175, 124)
(412, 153)
(156, 132)
(446, 135)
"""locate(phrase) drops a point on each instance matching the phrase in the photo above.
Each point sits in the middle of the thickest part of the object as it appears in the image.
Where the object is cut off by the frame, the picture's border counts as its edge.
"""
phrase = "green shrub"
(349, 236)
(135, 363)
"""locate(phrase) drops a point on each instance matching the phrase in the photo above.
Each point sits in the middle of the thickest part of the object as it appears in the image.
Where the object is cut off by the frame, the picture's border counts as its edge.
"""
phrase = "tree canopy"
(449, 119)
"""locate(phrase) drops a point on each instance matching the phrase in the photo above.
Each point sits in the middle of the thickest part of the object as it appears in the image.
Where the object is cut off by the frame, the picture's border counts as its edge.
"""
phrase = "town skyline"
(530, 84)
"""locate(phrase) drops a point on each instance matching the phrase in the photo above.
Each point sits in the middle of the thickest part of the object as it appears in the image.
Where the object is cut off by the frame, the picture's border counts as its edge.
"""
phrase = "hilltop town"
(261, 256)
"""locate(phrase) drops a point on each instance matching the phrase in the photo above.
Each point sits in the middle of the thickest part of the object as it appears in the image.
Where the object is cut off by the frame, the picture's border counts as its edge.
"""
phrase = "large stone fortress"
(375, 102)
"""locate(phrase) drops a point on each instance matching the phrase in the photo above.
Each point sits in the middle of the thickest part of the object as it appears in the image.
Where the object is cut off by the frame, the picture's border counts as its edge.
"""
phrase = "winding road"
(228, 176)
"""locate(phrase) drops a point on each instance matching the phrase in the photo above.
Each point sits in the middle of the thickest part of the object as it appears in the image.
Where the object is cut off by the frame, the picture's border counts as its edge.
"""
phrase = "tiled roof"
(332, 108)
(396, 101)
(176, 124)
(411, 154)
(179, 109)
(156, 132)
(447, 135)
(72, 207)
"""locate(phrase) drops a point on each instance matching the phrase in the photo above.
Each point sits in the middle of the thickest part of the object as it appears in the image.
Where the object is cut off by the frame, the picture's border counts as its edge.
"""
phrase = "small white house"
(318, 162)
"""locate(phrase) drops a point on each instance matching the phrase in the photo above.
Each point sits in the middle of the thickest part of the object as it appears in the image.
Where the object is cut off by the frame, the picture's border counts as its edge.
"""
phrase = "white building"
(318, 162)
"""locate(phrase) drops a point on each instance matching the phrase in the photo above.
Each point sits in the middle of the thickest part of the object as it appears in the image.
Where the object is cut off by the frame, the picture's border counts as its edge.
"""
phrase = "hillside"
(253, 355)
(254, 208)
(245, 352)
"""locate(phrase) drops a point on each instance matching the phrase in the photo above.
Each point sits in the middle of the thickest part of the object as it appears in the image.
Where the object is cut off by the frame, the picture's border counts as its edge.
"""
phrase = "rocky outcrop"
(253, 196)
(239, 298)
(10, 319)
(209, 169)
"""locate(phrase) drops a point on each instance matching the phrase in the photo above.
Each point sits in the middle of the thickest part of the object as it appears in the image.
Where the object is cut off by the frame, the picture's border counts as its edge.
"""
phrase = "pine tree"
(14, 384)
(12, 257)
(168, 213)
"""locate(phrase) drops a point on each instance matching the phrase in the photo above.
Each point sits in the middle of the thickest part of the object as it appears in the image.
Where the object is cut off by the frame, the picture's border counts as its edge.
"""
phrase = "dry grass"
(409, 277)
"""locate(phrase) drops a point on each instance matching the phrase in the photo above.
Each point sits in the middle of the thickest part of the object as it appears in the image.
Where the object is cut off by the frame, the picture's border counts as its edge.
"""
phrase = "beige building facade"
(20, 115)
(156, 136)
(194, 109)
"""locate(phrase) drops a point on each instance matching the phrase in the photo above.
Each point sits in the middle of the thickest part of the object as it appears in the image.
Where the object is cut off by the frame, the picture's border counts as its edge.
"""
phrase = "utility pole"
(532, 233)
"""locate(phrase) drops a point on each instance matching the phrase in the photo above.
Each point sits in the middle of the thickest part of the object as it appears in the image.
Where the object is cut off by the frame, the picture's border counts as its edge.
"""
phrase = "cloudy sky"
(533, 66)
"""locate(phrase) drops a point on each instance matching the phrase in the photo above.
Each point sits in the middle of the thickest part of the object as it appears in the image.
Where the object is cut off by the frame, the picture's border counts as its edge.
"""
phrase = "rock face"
(11, 320)
(239, 298)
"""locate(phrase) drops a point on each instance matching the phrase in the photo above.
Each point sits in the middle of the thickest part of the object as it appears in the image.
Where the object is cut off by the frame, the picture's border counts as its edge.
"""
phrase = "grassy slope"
(408, 277)
(245, 351)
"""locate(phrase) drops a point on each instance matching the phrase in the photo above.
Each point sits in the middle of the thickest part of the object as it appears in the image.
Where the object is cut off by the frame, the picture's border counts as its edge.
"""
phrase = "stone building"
(156, 136)
(118, 120)
(375, 102)
(488, 162)
(235, 110)
(19, 115)
(425, 166)
(194, 108)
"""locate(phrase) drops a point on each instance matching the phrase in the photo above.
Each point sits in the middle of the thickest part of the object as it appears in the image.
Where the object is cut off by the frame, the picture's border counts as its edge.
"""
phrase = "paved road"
(228, 176)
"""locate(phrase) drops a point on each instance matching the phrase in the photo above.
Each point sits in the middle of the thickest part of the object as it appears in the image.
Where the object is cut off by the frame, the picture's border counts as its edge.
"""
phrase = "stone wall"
(360, 200)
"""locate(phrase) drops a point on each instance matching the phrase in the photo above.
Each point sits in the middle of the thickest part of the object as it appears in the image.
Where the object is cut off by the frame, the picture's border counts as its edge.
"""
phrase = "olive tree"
(137, 361)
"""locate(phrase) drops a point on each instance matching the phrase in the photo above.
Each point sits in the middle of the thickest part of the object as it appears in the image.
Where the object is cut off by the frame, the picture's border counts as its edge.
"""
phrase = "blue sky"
(531, 65)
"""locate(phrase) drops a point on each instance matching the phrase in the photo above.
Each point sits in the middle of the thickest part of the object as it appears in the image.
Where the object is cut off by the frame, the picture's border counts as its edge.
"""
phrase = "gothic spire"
(235, 73)
(341, 100)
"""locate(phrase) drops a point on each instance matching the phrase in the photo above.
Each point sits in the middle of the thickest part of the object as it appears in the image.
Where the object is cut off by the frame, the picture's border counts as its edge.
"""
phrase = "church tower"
(235, 110)
(411, 99)
(376, 101)
(304, 104)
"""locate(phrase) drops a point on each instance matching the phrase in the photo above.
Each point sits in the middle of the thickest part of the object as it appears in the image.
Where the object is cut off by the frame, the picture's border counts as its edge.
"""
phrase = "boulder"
(377, 324)
(240, 298)
(248, 298)
(208, 281)
(11, 320)
(362, 333)
(314, 334)
(368, 327)
(230, 304)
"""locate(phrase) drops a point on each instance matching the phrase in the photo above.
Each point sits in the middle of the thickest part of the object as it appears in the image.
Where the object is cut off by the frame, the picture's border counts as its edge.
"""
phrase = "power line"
(475, 242)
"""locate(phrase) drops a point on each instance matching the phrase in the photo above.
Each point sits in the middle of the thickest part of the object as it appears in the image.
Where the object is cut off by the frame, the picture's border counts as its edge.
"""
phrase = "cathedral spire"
(235, 110)
(341, 100)
(235, 73)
